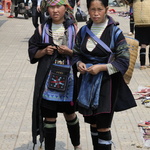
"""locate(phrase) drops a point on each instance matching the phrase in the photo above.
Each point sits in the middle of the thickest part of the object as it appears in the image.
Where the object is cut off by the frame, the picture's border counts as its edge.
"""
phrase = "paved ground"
(16, 89)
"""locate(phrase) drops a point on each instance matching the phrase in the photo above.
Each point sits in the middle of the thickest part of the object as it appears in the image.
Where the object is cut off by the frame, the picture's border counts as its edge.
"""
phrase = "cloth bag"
(59, 77)
(141, 11)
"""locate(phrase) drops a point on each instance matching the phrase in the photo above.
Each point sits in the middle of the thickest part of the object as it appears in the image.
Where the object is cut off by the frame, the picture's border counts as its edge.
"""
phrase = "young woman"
(102, 89)
(50, 46)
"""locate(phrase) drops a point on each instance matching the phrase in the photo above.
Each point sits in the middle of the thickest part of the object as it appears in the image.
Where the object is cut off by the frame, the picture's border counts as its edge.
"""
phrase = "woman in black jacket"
(103, 89)
(51, 45)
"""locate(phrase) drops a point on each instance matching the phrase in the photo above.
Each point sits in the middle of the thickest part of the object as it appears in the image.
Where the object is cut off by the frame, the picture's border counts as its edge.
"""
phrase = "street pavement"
(16, 92)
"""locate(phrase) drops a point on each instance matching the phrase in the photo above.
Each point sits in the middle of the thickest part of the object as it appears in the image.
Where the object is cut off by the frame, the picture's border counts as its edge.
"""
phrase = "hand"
(38, 8)
(81, 67)
(95, 69)
(63, 49)
(49, 50)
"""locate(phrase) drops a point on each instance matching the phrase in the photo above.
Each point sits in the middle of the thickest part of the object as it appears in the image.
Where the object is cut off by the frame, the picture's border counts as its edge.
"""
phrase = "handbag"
(60, 83)
(59, 77)
(80, 15)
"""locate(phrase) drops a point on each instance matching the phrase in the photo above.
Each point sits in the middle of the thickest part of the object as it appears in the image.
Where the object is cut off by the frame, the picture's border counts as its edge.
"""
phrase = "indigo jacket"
(115, 94)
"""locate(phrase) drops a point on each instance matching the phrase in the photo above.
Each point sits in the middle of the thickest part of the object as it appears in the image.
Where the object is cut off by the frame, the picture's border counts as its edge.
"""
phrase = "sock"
(49, 135)
(104, 140)
(94, 135)
(74, 131)
(142, 56)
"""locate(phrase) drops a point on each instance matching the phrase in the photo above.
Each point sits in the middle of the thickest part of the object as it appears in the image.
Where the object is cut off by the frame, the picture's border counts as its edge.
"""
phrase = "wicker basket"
(141, 13)
(133, 45)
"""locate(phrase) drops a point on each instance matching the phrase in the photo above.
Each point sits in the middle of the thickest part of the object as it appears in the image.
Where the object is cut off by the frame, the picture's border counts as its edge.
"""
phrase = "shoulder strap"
(85, 30)
(99, 41)
(83, 33)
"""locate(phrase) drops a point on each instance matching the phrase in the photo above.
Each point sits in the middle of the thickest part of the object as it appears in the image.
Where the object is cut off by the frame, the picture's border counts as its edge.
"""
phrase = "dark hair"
(104, 2)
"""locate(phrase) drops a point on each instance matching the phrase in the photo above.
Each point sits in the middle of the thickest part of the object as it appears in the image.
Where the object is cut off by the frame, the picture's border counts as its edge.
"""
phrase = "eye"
(100, 9)
(92, 9)
(58, 6)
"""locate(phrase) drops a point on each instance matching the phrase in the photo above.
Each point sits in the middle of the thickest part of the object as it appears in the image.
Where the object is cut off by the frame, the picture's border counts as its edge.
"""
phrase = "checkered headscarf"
(58, 2)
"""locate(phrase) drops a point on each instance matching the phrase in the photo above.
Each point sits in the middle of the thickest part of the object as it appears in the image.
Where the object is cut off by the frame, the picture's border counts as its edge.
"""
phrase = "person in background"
(36, 14)
(131, 21)
(72, 3)
(142, 34)
(102, 87)
(51, 44)
(14, 3)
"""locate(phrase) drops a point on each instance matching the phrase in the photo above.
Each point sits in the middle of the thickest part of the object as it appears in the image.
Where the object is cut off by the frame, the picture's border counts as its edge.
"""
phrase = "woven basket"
(141, 13)
(133, 49)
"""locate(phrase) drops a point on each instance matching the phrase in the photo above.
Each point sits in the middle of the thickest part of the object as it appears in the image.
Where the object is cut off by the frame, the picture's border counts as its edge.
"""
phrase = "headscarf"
(58, 2)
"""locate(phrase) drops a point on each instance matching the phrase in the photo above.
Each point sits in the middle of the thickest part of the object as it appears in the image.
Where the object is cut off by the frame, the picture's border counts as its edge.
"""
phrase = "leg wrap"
(74, 131)
(94, 135)
(104, 140)
(50, 135)
(142, 56)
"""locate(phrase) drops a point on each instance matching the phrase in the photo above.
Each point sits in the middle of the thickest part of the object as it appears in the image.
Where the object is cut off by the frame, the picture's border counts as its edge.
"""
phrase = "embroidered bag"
(59, 77)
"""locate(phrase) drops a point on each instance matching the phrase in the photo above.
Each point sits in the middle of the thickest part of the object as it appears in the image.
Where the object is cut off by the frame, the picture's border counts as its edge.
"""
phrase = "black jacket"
(115, 93)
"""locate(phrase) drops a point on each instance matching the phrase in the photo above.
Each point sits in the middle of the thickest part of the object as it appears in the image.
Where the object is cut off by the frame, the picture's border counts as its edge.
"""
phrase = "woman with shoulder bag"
(102, 89)
(54, 92)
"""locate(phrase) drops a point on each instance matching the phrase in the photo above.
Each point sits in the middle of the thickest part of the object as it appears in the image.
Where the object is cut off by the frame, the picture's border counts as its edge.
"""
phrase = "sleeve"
(33, 46)
(121, 55)
(39, 2)
(111, 69)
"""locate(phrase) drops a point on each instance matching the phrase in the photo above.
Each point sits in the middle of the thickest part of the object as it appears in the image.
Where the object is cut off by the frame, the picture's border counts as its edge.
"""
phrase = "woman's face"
(97, 11)
(57, 13)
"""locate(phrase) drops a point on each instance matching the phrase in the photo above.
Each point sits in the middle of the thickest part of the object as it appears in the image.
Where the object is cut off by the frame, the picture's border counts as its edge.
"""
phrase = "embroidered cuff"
(111, 69)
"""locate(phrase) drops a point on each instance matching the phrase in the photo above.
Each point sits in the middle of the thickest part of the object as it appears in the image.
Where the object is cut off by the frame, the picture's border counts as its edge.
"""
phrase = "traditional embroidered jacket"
(114, 93)
(43, 68)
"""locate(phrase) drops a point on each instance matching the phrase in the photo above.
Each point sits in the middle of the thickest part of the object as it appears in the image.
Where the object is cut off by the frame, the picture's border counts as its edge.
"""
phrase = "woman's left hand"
(95, 69)
(63, 49)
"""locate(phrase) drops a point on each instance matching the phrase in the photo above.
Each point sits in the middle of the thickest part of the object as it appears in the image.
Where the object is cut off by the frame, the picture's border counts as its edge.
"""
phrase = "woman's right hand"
(49, 50)
(81, 67)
